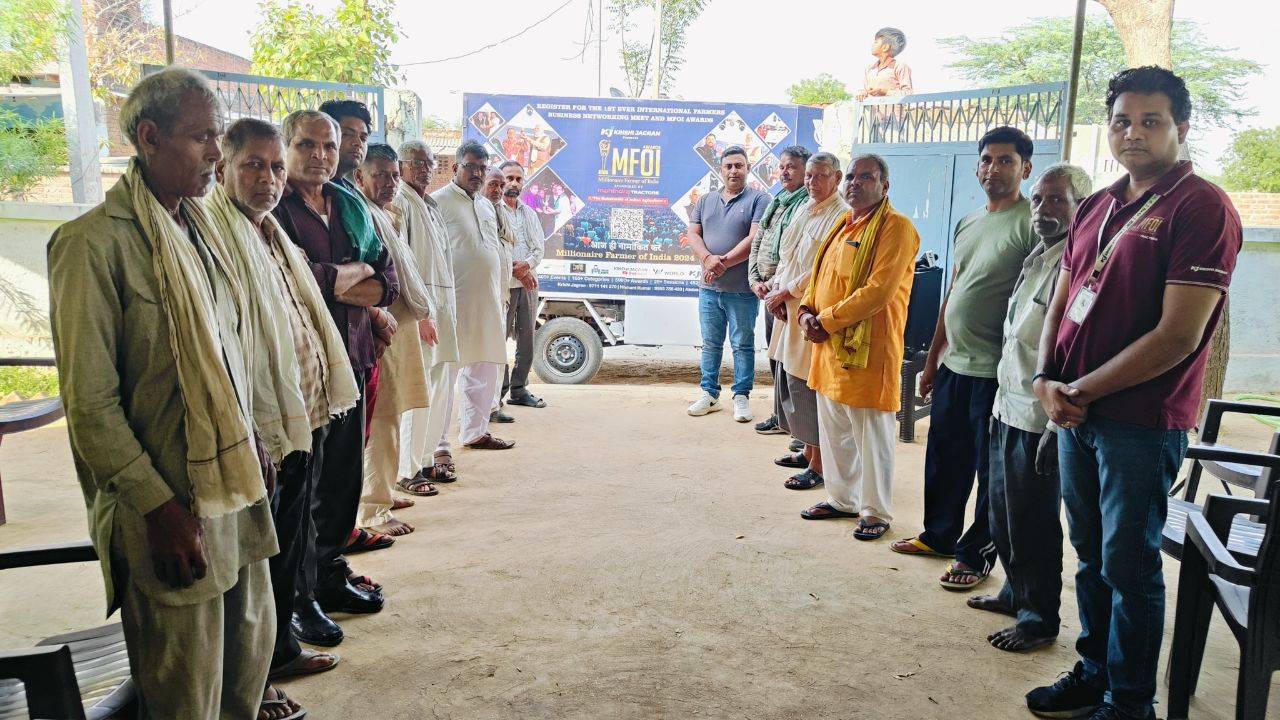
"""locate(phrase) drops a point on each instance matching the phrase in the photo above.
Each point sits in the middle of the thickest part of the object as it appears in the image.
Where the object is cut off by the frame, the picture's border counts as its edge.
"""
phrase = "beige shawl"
(222, 462)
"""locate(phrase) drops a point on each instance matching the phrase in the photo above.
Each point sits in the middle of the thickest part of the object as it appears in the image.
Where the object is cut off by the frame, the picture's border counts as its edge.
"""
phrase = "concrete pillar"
(77, 113)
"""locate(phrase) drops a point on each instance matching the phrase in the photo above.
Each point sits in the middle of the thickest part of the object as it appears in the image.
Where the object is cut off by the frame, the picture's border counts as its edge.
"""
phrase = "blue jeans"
(736, 312)
(1115, 479)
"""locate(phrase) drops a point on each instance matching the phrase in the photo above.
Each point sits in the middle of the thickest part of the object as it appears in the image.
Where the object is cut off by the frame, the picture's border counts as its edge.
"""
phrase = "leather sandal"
(489, 442)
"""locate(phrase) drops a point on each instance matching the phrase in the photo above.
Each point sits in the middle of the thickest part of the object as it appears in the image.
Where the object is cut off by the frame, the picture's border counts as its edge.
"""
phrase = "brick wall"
(1257, 209)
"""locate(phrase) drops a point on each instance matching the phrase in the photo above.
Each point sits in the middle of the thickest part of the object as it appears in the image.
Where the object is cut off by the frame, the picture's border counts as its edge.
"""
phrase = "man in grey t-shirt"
(721, 228)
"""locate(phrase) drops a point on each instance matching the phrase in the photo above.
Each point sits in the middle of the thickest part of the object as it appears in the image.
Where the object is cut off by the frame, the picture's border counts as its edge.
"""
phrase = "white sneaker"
(704, 404)
(742, 409)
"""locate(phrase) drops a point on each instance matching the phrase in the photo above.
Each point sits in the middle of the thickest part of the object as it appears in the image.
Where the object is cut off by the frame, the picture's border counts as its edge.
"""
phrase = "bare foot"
(991, 603)
(276, 705)
(401, 503)
(1014, 639)
(393, 527)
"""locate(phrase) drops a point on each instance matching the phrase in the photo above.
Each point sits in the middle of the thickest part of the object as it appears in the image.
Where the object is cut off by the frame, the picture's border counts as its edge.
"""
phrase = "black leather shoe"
(349, 599)
(312, 626)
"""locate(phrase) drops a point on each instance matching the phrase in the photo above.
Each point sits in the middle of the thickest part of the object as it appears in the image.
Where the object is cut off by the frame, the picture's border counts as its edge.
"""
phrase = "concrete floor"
(624, 561)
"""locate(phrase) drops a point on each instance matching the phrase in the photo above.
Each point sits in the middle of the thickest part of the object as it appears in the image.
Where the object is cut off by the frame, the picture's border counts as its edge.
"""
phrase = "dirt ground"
(624, 561)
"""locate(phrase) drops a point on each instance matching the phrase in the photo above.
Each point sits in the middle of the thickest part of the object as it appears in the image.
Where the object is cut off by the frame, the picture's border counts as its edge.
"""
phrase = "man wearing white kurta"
(480, 284)
(424, 227)
(795, 403)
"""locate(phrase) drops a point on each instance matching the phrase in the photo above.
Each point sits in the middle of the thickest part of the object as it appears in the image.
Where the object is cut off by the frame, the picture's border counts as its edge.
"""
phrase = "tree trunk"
(1146, 28)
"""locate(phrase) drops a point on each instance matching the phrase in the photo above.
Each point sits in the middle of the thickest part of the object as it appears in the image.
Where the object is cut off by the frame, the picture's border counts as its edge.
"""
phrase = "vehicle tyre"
(567, 351)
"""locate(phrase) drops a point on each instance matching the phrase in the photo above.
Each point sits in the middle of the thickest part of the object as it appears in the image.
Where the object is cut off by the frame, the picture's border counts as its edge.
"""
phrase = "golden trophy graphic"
(604, 156)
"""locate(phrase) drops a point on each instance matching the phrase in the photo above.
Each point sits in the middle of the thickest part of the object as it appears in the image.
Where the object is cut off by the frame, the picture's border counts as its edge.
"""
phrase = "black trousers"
(959, 445)
(1026, 527)
(291, 511)
(336, 499)
(521, 322)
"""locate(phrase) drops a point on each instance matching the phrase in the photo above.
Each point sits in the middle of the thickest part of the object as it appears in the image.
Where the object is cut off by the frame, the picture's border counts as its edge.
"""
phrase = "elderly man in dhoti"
(855, 312)
(402, 372)
(153, 330)
(795, 404)
(424, 230)
(480, 279)
(301, 375)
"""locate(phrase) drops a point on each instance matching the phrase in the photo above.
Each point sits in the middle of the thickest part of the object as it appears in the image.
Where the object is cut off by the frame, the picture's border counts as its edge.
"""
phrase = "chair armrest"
(1219, 561)
(1217, 408)
(1209, 451)
(72, 552)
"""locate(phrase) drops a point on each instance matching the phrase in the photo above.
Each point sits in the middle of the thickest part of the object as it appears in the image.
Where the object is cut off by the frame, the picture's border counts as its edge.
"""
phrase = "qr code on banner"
(626, 224)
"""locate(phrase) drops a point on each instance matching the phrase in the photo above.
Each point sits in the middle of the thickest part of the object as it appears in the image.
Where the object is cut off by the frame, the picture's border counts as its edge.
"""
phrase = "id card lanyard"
(1083, 302)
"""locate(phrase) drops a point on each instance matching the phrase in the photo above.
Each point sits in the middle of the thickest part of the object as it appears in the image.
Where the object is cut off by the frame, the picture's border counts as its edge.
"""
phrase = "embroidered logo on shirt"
(1151, 224)
(1199, 268)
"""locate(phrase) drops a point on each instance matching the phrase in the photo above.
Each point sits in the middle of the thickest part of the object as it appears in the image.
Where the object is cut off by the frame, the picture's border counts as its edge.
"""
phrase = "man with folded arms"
(480, 278)
(795, 404)
(855, 312)
(356, 278)
(150, 326)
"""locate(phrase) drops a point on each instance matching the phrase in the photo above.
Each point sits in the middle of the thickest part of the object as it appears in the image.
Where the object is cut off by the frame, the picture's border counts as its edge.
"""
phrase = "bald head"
(493, 183)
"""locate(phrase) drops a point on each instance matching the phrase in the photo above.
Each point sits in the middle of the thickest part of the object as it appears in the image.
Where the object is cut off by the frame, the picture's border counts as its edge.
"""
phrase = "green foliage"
(824, 89)
(1252, 163)
(28, 382)
(353, 45)
(636, 55)
(29, 151)
(435, 122)
(31, 33)
(1040, 51)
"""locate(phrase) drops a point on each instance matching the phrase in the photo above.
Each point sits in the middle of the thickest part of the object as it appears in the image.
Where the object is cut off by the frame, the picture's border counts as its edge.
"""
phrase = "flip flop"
(281, 699)
(918, 548)
(300, 665)
(364, 541)
(954, 571)
(825, 512)
(870, 531)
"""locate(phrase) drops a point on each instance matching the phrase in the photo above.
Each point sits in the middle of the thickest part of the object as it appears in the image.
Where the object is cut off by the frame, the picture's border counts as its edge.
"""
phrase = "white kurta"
(480, 280)
(425, 230)
(799, 245)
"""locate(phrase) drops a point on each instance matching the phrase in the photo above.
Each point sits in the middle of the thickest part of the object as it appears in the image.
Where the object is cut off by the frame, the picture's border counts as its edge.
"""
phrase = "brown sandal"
(417, 485)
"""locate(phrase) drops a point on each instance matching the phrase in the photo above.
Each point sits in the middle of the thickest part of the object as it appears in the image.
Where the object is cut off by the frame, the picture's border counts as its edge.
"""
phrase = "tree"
(824, 89)
(1040, 51)
(353, 45)
(31, 33)
(1252, 163)
(119, 39)
(637, 56)
(29, 151)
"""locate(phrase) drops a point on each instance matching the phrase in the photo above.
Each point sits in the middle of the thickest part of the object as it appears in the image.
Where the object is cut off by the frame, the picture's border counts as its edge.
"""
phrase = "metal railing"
(1038, 110)
(271, 98)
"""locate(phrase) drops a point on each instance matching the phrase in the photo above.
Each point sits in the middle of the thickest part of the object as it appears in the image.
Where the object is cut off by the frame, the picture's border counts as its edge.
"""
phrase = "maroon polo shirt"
(326, 247)
(1190, 237)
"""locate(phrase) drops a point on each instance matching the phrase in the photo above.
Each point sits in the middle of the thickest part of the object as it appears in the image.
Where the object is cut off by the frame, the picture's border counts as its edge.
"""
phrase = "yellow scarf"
(853, 344)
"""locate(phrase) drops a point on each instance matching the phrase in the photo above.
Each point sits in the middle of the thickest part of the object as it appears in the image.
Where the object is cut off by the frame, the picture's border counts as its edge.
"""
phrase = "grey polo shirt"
(724, 225)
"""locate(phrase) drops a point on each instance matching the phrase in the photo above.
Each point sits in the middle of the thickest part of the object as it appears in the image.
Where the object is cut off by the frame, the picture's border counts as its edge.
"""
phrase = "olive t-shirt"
(988, 254)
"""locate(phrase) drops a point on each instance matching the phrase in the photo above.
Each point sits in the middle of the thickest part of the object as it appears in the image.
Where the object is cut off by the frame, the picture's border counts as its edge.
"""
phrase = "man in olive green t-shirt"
(991, 244)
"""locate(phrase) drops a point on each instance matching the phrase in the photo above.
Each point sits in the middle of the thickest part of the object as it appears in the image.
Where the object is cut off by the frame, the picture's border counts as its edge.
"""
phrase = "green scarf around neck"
(359, 226)
(777, 216)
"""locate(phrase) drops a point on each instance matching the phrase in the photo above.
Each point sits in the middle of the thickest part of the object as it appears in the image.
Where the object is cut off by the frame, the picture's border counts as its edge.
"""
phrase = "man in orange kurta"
(856, 404)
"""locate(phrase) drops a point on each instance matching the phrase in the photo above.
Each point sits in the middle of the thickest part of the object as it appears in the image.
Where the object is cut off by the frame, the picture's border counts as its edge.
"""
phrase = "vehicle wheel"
(567, 351)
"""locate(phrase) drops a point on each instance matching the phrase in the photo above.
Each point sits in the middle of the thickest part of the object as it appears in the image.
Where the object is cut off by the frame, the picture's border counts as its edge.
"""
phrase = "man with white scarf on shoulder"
(301, 374)
(424, 229)
(402, 372)
(480, 277)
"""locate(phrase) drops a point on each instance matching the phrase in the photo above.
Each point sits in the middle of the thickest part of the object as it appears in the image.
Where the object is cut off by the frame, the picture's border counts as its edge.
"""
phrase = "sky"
(732, 47)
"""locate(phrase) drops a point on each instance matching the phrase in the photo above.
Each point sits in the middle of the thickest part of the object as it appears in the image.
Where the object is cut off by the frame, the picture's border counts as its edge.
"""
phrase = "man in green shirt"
(991, 244)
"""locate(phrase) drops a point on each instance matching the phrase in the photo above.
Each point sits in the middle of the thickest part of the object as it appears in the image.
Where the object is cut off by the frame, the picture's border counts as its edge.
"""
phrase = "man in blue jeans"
(1147, 264)
(721, 227)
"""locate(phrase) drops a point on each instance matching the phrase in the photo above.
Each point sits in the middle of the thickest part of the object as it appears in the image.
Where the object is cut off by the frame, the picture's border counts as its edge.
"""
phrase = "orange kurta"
(883, 299)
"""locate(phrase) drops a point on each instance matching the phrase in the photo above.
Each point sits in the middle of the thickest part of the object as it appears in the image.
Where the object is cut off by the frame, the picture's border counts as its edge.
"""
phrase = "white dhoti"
(857, 457)
(478, 386)
(425, 431)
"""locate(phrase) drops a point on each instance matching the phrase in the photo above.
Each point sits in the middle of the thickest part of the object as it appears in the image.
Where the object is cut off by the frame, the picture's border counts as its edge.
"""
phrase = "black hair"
(338, 109)
(1011, 135)
(798, 152)
(896, 39)
(1149, 80)
(472, 148)
(380, 151)
(510, 163)
(733, 150)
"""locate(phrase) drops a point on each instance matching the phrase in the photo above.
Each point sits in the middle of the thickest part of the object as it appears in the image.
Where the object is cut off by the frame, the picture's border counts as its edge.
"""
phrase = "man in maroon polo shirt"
(1122, 358)
(357, 279)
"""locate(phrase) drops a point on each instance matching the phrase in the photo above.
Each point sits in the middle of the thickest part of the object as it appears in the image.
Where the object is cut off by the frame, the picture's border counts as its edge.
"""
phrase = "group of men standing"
(261, 334)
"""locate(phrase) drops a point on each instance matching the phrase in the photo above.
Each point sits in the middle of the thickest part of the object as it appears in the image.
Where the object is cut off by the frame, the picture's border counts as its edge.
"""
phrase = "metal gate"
(931, 145)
